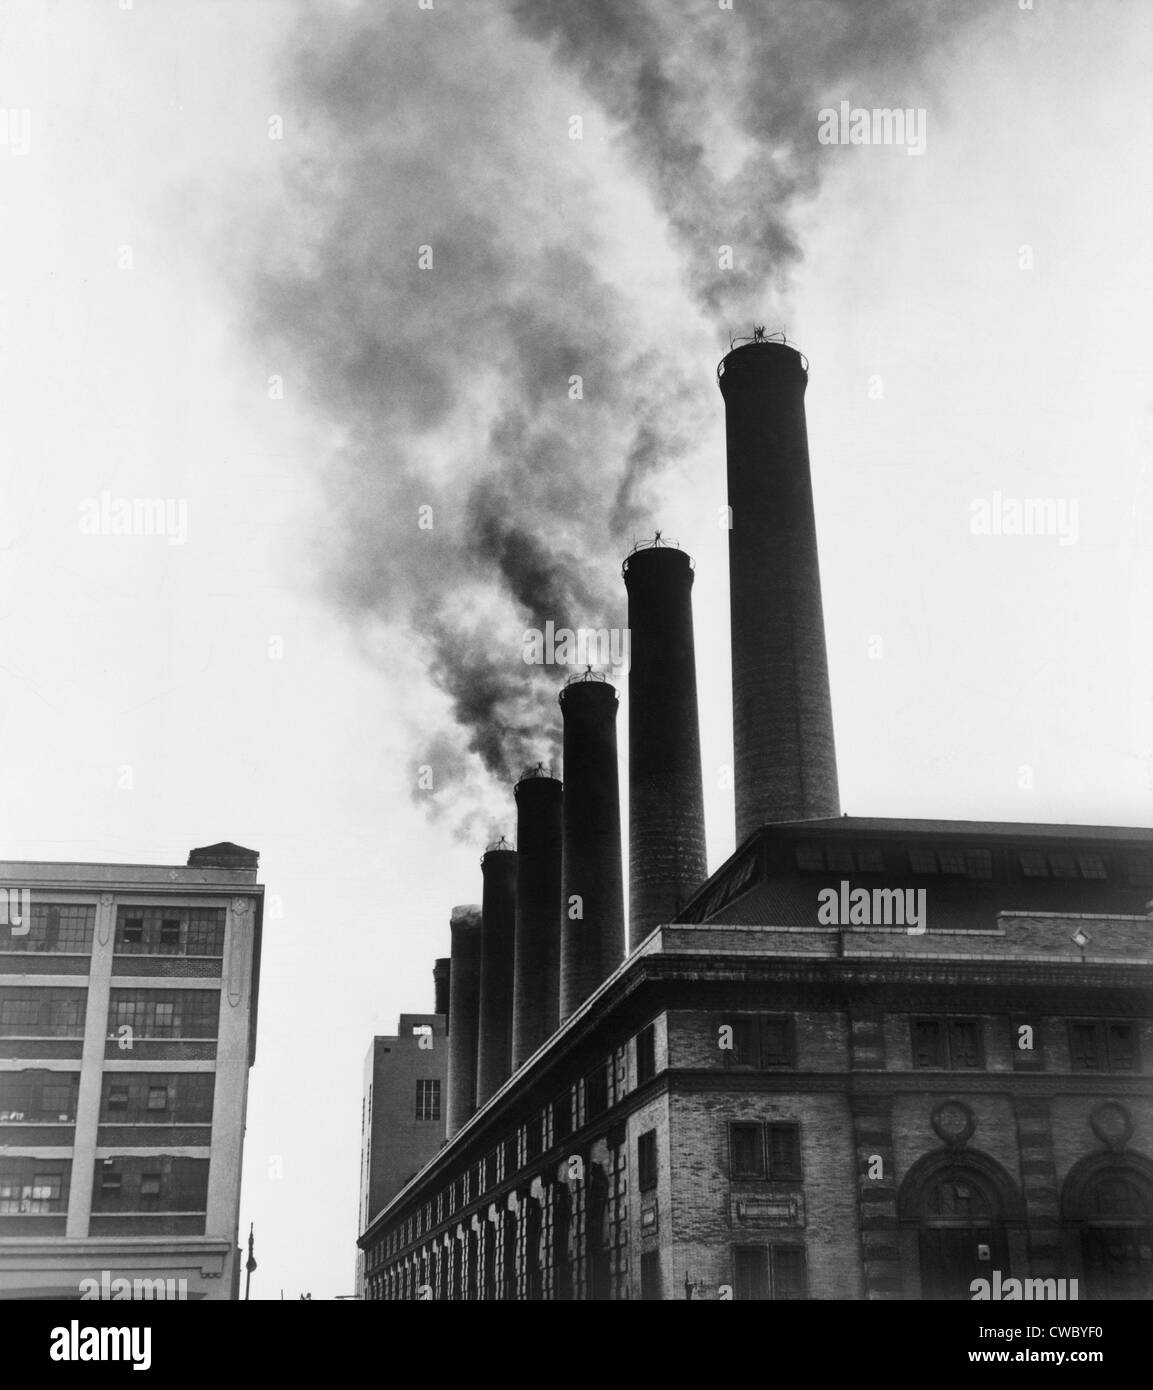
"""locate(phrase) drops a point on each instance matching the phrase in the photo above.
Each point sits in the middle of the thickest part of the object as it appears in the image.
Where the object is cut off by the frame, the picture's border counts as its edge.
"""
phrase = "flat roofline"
(922, 826)
(652, 947)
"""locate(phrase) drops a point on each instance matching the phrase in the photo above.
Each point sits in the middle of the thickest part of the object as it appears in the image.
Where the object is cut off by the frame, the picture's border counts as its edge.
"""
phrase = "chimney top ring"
(659, 542)
(762, 339)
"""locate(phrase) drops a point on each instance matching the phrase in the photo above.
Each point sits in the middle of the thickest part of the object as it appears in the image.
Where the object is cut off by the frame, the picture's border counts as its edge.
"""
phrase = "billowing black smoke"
(442, 287)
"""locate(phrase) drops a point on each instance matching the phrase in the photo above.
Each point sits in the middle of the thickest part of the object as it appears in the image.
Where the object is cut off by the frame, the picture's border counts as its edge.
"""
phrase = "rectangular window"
(562, 1117)
(1034, 864)
(33, 1187)
(38, 1096)
(922, 861)
(965, 1043)
(928, 1043)
(428, 1100)
(1091, 866)
(59, 927)
(1121, 1046)
(157, 1098)
(785, 1152)
(42, 1012)
(168, 931)
(165, 1013)
(646, 1054)
(789, 1272)
(1106, 1046)
(776, 1042)
(596, 1092)
(647, 1160)
(746, 1152)
(651, 1276)
(1084, 1050)
(750, 1272)
(159, 1183)
(744, 1050)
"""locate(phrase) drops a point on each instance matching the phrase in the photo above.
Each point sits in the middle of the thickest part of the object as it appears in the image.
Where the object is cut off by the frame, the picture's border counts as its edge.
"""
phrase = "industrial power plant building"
(865, 1059)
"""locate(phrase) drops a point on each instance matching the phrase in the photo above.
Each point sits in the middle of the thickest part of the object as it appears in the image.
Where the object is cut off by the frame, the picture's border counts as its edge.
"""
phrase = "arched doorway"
(1110, 1198)
(958, 1203)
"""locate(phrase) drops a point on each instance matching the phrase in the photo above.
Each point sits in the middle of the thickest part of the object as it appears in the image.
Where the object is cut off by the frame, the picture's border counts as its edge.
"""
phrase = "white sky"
(149, 130)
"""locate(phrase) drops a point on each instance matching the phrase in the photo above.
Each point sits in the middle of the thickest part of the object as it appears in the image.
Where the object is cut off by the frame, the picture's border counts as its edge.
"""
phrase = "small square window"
(1034, 864)
(111, 1183)
(133, 930)
(170, 934)
(118, 1098)
(158, 1097)
(150, 1185)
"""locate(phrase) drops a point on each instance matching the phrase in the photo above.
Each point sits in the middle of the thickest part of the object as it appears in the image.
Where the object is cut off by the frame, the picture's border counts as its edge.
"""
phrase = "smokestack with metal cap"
(592, 891)
(536, 974)
(463, 1014)
(785, 765)
(498, 944)
(441, 974)
(666, 797)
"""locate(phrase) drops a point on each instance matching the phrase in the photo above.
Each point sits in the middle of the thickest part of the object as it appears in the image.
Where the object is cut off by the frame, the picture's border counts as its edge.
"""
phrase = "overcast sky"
(212, 216)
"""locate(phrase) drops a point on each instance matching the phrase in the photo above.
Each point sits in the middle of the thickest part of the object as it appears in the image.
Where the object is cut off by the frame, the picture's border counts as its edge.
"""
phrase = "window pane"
(965, 1042)
(776, 1042)
(744, 1042)
(1121, 1039)
(785, 1151)
(647, 1160)
(788, 1272)
(646, 1054)
(747, 1156)
(750, 1272)
(1083, 1050)
(928, 1043)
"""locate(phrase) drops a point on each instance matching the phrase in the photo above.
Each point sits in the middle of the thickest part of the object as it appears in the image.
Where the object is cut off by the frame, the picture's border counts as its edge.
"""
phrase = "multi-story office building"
(404, 1106)
(127, 1030)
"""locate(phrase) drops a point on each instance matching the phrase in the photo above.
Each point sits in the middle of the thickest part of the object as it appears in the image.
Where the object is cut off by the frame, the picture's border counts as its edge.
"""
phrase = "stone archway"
(959, 1203)
(1108, 1202)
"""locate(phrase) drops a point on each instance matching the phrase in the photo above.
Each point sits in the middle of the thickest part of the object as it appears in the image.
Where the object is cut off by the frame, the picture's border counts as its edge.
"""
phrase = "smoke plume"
(446, 288)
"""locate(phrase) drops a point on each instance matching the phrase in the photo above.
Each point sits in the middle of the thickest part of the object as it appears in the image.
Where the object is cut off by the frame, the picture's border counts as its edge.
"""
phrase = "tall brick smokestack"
(441, 973)
(463, 1014)
(785, 764)
(497, 948)
(536, 974)
(592, 891)
(666, 797)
